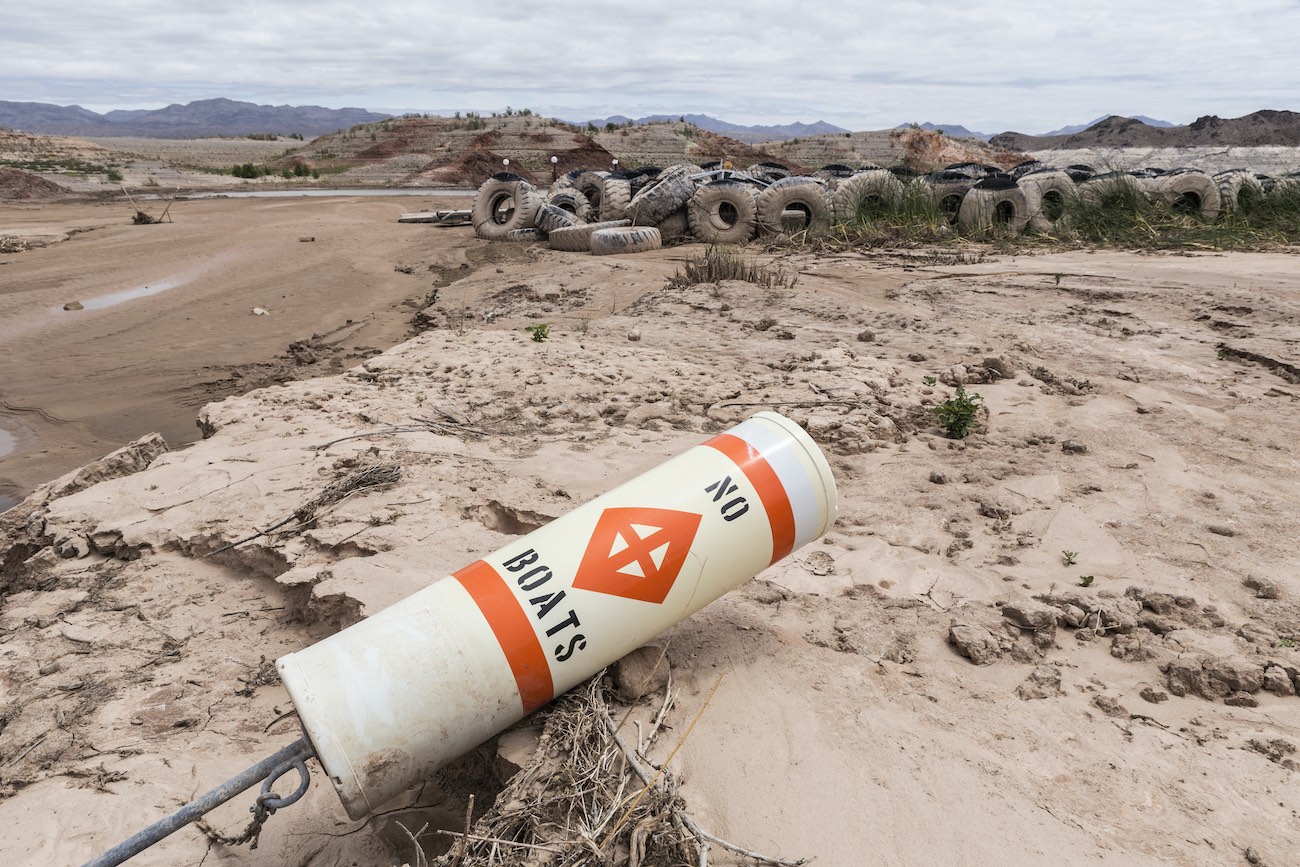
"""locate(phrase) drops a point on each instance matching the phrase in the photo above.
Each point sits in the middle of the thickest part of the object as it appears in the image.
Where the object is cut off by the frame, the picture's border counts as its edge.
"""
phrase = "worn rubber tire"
(1048, 195)
(834, 173)
(1103, 190)
(591, 184)
(984, 209)
(629, 239)
(549, 218)
(566, 180)
(1237, 189)
(723, 212)
(490, 221)
(525, 236)
(1192, 192)
(675, 227)
(570, 199)
(615, 199)
(577, 239)
(874, 191)
(801, 194)
(670, 191)
(948, 195)
(774, 171)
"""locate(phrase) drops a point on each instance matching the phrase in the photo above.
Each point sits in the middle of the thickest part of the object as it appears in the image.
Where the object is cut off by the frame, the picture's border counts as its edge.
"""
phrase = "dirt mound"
(18, 184)
(928, 150)
(465, 169)
(919, 149)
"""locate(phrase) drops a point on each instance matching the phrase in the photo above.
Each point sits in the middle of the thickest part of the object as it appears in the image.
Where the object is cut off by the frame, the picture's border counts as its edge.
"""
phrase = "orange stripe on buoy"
(770, 490)
(513, 631)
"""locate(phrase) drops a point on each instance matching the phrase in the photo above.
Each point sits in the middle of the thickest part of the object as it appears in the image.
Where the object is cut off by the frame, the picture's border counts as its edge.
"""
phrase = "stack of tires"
(631, 211)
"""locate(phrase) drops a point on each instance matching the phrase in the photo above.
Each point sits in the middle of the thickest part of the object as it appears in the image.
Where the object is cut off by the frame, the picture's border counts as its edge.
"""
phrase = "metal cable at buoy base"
(270, 770)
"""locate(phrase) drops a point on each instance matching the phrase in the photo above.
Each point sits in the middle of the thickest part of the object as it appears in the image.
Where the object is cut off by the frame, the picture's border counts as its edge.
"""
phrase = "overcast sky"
(991, 65)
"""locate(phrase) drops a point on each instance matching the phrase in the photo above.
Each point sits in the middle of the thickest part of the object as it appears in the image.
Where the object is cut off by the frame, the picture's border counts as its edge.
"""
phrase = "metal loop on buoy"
(272, 801)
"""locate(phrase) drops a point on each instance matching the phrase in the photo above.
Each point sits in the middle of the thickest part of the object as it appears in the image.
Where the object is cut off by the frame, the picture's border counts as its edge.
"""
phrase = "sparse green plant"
(957, 413)
(1286, 642)
(114, 175)
(1069, 558)
(1085, 580)
(539, 331)
(1058, 277)
(929, 380)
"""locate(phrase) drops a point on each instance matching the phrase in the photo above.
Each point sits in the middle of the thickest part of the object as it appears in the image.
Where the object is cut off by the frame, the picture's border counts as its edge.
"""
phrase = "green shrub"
(957, 414)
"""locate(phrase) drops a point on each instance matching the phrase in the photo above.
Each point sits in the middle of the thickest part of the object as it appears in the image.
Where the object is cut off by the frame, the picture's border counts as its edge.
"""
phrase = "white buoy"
(392, 698)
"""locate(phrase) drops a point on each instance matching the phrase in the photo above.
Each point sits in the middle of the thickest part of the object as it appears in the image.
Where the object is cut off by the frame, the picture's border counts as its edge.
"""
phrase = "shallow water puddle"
(125, 295)
(7, 443)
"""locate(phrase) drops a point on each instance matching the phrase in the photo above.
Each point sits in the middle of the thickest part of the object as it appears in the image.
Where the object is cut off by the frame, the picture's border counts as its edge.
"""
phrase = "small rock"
(1252, 857)
(1043, 682)
(48, 668)
(1221, 530)
(634, 336)
(74, 548)
(1109, 705)
(939, 477)
(105, 541)
(1277, 681)
(307, 239)
(1073, 447)
(916, 356)
(1264, 588)
(1153, 695)
(975, 642)
(1074, 615)
(641, 672)
(1241, 699)
(866, 336)
(1000, 366)
(1030, 615)
(260, 311)
(73, 305)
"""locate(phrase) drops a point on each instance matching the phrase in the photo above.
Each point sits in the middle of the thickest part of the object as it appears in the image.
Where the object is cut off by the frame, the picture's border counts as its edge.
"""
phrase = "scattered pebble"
(73, 305)
(1073, 447)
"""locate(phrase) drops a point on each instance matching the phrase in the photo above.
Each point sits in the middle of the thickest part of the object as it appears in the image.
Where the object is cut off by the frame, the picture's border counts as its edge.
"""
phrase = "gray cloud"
(988, 65)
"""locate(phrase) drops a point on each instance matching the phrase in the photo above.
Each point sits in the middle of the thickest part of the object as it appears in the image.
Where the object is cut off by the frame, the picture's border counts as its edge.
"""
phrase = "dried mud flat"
(928, 684)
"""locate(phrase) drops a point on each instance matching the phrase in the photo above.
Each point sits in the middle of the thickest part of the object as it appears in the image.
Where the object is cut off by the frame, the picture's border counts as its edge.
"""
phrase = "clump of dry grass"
(726, 263)
(589, 797)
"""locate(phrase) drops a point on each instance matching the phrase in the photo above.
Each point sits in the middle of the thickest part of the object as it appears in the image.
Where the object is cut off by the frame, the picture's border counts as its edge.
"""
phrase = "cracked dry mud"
(930, 683)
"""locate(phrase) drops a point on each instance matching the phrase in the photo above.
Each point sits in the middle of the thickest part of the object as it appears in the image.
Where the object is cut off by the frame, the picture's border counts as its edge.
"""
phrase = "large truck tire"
(502, 206)
(577, 239)
(800, 194)
(723, 212)
(629, 239)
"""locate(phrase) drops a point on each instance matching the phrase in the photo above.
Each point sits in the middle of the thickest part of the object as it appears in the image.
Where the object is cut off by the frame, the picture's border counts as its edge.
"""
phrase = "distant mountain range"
(1071, 130)
(1255, 129)
(746, 134)
(205, 117)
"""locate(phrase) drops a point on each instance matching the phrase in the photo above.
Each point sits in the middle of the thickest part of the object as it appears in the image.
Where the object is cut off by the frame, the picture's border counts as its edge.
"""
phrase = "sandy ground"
(76, 384)
(930, 683)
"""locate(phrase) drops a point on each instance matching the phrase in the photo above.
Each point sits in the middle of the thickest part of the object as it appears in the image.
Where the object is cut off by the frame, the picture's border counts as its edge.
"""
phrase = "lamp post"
(555, 169)
(615, 164)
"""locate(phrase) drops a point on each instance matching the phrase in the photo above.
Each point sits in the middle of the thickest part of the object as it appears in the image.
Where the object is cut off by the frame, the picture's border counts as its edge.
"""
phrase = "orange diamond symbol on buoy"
(637, 553)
